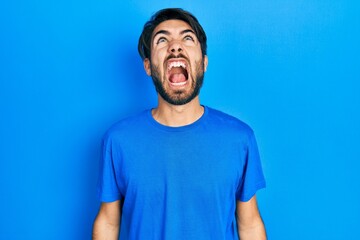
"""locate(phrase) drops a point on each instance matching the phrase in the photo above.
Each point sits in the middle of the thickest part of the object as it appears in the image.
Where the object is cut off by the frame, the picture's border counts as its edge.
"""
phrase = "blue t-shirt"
(180, 182)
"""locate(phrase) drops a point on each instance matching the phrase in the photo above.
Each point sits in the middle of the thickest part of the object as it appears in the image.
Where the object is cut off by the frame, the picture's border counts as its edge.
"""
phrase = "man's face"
(176, 64)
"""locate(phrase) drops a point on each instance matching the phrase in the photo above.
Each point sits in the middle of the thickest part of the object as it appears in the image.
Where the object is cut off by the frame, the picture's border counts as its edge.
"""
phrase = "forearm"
(104, 230)
(253, 232)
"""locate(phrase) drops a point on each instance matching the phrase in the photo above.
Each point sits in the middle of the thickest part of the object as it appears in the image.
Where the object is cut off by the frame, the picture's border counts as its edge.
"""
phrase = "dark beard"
(179, 97)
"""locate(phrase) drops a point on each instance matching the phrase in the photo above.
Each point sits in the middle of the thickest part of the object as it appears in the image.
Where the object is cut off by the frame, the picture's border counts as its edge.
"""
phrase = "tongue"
(177, 77)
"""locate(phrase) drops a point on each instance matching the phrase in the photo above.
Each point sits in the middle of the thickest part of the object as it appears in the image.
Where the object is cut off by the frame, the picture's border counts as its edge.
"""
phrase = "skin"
(174, 38)
(174, 41)
(249, 223)
(107, 222)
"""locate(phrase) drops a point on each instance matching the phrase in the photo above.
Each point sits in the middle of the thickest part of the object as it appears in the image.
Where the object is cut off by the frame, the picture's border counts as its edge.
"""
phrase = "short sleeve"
(253, 177)
(108, 185)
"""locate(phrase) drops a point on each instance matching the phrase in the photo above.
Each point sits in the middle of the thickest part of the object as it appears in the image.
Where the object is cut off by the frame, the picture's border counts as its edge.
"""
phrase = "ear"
(147, 67)
(205, 62)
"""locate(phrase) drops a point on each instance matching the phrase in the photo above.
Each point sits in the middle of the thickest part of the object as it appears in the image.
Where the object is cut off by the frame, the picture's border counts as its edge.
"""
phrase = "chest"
(182, 166)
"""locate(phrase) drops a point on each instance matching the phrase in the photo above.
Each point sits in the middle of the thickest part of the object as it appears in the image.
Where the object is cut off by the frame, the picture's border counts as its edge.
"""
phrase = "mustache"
(180, 55)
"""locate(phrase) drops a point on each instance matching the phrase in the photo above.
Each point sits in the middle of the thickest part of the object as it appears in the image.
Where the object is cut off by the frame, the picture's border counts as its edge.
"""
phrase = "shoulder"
(225, 121)
(128, 125)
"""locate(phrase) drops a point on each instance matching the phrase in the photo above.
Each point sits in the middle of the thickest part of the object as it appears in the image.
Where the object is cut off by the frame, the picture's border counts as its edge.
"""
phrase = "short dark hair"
(144, 44)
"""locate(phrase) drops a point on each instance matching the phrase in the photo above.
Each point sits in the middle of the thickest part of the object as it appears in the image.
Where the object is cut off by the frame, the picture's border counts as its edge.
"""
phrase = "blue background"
(290, 69)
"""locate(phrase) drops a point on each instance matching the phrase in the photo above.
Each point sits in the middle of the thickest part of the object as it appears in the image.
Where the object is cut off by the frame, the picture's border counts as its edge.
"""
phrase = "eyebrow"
(187, 31)
(168, 33)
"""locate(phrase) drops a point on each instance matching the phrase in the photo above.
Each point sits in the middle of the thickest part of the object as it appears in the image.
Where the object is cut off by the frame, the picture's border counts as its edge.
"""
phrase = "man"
(181, 170)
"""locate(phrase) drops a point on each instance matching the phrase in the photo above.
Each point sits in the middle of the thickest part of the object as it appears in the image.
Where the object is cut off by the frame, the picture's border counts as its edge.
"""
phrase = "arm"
(107, 222)
(249, 223)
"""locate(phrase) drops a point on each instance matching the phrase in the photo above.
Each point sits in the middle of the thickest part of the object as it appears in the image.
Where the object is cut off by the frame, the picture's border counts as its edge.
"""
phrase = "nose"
(175, 47)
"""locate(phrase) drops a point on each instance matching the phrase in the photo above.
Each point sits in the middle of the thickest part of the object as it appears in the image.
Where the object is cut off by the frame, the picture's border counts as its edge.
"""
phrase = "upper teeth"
(176, 64)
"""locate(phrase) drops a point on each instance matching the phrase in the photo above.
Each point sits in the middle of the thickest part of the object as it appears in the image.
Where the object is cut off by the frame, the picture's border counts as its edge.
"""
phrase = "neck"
(177, 115)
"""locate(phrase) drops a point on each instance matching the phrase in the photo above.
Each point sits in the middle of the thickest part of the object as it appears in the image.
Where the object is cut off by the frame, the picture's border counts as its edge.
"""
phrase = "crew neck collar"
(180, 128)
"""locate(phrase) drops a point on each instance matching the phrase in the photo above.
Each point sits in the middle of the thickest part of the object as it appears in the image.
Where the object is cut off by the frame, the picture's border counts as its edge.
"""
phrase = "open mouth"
(177, 72)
